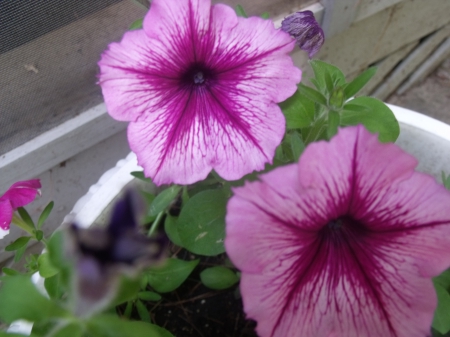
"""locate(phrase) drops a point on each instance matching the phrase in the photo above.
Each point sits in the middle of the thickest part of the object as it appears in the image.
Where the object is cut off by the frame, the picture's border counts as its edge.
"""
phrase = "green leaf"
(298, 110)
(265, 15)
(19, 253)
(113, 326)
(359, 82)
(127, 290)
(136, 24)
(240, 11)
(201, 224)
(39, 235)
(143, 312)
(170, 275)
(26, 217)
(327, 76)
(128, 309)
(218, 278)
(149, 197)
(312, 94)
(46, 268)
(140, 175)
(297, 146)
(443, 279)
(53, 286)
(18, 243)
(170, 226)
(31, 305)
(10, 334)
(374, 115)
(446, 181)
(441, 321)
(45, 213)
(333, 123)
(163, 200)
(72, 329)
(336, 99)
(149, 296)
(9, 271)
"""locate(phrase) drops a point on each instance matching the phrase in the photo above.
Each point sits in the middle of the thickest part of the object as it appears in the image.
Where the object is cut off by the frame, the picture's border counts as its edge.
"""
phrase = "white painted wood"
(57, 145)
(428, 66)
(367, 8)
(410, 63)
(338, 16)
(385, 66)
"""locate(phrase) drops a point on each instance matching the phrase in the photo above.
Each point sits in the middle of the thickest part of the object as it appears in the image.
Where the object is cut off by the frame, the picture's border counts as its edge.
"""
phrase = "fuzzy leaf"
(240, 11)
(201, 224)
(312, 94)
(140, 175)
(18, 243)
(143, 313)
(46, 268)
(327, 76)
(359, 82)
(163, 200)
(374, 115)
(170, 226)
(45, 213)
(149, 296)
(136, 24)
(218, 278)
(298, 111)
(26, 217)
(441, 321)
(171, 275)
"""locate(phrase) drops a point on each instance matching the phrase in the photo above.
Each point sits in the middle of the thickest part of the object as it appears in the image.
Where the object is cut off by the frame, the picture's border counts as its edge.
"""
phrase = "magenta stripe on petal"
(200, 86)
(342, 244)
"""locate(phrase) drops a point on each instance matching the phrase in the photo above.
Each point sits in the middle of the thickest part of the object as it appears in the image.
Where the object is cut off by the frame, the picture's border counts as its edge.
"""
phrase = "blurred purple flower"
(200, 86)
(306, 31)
(18, 195)
(104, 254)
(342, 244)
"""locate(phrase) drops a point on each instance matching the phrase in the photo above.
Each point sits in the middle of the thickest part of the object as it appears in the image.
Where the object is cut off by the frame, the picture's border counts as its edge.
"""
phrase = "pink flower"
(200, 86)
(342, 244)
(18, 195)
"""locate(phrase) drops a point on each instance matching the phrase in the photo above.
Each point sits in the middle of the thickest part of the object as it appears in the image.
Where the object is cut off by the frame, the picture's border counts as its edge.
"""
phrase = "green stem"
(155, 223)
(17, 220)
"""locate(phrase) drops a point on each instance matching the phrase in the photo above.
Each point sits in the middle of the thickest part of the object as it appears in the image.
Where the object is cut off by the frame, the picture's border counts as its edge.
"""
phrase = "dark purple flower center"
(197, 75)
(343, 228)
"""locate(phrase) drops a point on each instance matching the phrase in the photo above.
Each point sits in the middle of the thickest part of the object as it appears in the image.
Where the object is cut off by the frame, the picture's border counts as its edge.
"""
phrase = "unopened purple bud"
(306, 31)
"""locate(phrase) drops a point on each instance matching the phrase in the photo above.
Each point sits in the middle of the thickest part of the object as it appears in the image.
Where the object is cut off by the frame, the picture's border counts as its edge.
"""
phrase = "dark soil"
(197, 311)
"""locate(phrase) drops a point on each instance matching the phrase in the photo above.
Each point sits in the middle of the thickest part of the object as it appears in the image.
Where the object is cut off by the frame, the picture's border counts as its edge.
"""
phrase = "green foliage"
(201, 224)
(171, 228)
(143, 313)
(240, 11)
(136, 25)
(112, 326)
(140, 174)
(46, 268)
(317, 113)
(374, 115)
(446, 180)
(18, 243)
(45, 213)
(26, 217)
(265, 15)
(441, 320)
(170, 275)
(218, 277)
(149, 296)
(31, 305)
(163, 200)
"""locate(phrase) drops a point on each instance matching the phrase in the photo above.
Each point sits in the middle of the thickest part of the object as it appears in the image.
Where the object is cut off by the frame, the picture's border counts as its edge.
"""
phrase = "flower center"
(197, 75)
(343, 228)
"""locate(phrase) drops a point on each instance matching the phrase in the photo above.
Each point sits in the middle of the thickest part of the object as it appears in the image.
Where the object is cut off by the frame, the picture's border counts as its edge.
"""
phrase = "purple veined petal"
(22, 193)
(322, 255)
(200, 88)
(6, 214)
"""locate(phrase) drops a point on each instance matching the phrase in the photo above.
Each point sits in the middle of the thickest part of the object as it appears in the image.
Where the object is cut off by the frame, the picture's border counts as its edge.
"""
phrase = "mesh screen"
(48, 57)
(48, 60)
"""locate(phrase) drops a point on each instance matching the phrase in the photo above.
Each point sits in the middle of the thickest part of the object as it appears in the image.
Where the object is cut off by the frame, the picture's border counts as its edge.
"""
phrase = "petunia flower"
(18, 195)
(342, 244)
(306, 30)
(200, 86)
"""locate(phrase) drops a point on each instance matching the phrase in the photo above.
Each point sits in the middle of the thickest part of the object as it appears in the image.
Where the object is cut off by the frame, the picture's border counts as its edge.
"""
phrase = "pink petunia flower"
(18, 195)
(200, 86)
(342, 244)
